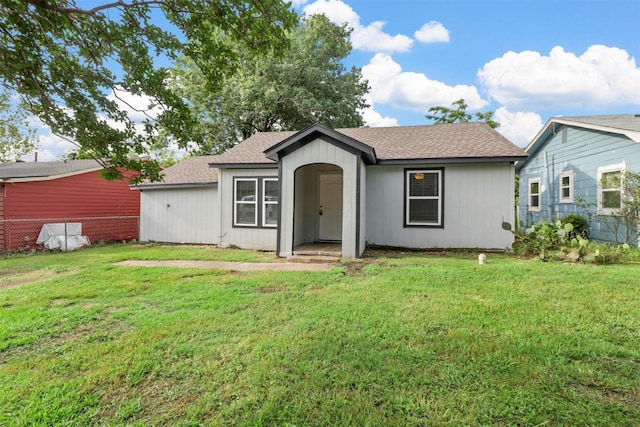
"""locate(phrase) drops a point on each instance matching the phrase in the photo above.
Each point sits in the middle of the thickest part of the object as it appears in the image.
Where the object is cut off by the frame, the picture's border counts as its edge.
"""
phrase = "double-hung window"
(424, 204)
(566, 187)
(270, 202)
(610, 188)
(534, 194)
(246, 202)
(255, 202)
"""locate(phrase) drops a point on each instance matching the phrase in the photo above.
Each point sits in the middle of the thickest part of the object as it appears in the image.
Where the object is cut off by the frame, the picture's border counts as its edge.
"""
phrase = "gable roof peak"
(310, 133)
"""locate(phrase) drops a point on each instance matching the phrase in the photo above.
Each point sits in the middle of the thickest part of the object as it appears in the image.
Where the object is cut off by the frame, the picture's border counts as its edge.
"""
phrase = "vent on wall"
(564, 134)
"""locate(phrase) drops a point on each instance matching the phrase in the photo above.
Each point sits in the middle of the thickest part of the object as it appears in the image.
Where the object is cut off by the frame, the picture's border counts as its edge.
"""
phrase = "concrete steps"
(314, 259)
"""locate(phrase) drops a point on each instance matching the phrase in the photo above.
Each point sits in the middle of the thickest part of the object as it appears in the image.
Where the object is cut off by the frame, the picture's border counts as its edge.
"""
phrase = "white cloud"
(518, 127)
(432, 32)
(601, 77)
(374, 119)
(138, 107)
(413, 91)
(370, 37)
(51, 146)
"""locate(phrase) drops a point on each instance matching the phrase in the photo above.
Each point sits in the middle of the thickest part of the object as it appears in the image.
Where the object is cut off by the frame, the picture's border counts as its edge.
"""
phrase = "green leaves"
(459, 114)
(308, 84)
(67, 64)
(17, 137)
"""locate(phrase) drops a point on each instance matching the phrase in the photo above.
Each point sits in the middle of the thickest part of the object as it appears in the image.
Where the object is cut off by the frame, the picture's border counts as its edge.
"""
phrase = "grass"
(412, 339)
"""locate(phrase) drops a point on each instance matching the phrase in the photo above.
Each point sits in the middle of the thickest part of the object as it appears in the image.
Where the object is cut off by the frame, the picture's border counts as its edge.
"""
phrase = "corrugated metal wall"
(80, 195)
(99, 204)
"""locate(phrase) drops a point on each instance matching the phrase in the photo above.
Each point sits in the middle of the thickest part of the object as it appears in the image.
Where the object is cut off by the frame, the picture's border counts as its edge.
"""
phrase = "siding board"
(477, 199)
(185, 215)
(584, 151)
(85, 195)
(243, 237)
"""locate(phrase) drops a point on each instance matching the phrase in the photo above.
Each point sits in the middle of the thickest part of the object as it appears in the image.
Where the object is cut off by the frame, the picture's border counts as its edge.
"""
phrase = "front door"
(330, 206)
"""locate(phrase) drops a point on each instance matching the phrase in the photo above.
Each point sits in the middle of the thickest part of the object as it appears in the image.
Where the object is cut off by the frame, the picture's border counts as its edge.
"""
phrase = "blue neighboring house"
(575, 161)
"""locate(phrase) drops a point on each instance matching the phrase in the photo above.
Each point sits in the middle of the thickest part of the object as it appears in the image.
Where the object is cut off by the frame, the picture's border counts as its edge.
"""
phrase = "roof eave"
(49, 177)
(244, 165)
(147, 187)
(452, 160)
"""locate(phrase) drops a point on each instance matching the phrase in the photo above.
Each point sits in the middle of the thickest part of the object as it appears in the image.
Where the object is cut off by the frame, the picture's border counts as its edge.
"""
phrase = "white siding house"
(185, 207)
(437, 186)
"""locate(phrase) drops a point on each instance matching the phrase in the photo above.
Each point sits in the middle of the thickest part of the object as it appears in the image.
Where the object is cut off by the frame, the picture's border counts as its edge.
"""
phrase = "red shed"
(36, 193)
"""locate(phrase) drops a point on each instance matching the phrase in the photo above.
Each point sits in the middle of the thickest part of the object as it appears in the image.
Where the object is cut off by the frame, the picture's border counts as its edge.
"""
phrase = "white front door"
(330, 206)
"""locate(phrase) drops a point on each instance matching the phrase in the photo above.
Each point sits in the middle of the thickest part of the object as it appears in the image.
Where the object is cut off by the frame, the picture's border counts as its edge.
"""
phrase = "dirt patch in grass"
(356, 266)
(18, 277)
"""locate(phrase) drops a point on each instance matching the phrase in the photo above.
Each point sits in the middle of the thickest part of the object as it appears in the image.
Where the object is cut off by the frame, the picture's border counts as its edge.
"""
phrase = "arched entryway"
(318, 209)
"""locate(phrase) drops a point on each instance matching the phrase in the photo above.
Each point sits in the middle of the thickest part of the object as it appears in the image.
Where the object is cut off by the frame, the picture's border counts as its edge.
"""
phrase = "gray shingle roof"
(621, 124)
(193, 170)
(617, 121)
(428, 142)
(442, 141)
(46, 169)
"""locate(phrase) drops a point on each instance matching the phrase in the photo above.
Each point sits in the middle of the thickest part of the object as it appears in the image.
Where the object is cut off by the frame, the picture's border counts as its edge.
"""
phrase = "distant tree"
(74, 61)
(458, 114)
(17, 137)
(309, 84)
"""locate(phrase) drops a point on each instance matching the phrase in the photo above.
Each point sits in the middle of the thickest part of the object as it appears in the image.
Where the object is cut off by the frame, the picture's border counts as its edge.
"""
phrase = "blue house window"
(566, 187)
(610, 188)
(534, 194)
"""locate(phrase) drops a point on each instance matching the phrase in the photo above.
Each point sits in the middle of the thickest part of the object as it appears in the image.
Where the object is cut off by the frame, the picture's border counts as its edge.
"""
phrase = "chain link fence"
(22, 234)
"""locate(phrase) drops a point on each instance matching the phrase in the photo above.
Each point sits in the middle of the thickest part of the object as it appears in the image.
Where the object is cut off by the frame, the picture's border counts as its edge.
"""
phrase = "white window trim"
(570, 175)
(408, 197)
(539, 207)
(621, 167)
(266, 202)
(239, 202)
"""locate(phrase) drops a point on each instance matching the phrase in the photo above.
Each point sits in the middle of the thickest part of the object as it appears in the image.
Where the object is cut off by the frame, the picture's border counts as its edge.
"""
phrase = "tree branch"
(75, 11)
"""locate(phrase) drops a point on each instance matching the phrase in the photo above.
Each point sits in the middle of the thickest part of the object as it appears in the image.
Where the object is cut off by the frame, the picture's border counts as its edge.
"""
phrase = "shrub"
(560, 241)
(580, 225)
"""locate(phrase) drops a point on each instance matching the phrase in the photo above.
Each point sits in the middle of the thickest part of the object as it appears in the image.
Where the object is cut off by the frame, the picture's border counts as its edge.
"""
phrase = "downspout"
(548, 185)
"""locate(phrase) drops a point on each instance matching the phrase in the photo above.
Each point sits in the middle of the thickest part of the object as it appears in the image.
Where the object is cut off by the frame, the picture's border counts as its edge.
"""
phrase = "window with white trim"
(423, 197)
(255, 202)
(270, 202)
(535, 190)
(245, 207)
(566, 187)
(610, 179)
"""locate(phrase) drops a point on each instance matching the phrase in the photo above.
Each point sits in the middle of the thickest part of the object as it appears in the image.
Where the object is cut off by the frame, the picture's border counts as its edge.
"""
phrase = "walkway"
(235, 266)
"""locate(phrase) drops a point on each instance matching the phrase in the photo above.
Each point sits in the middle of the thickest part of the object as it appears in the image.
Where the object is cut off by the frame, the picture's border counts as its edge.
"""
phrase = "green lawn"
(412, 339)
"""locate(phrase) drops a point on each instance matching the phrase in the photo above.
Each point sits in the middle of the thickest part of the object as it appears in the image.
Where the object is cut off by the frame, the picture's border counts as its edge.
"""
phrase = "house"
(575, 165)
(184, 207)
(36, 193)
(434, 186)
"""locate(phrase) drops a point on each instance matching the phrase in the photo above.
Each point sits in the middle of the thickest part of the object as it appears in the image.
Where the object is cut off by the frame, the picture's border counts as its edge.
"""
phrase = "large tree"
(74, 64)
(17, 136)
(309, 84)
(458, 114)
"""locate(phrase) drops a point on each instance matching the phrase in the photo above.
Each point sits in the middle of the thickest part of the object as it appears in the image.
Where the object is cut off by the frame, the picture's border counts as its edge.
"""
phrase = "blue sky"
(525, 60)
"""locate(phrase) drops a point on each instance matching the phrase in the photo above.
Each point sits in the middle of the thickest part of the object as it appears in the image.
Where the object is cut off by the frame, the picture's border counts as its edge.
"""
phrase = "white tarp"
(62, 236)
